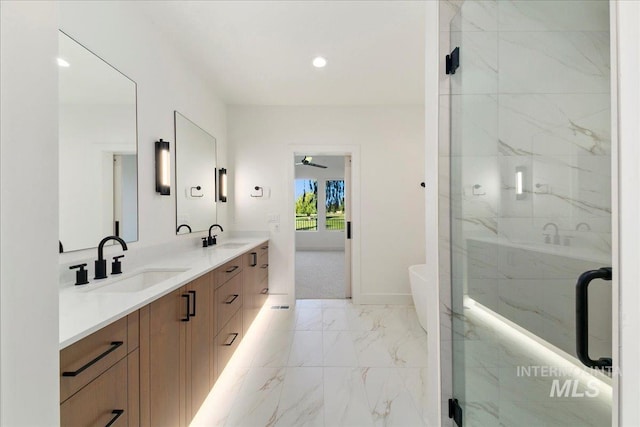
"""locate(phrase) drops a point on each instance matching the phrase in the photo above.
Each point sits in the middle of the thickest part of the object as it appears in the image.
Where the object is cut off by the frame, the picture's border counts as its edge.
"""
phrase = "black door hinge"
(452, 61)
(455, 412)
(348, 229)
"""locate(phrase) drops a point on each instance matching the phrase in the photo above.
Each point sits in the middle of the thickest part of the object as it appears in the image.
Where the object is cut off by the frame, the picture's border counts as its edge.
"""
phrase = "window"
(306, 195)
(335, 205)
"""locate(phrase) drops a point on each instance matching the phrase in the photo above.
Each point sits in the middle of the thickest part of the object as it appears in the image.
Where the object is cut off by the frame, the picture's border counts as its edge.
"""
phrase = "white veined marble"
(370, 372)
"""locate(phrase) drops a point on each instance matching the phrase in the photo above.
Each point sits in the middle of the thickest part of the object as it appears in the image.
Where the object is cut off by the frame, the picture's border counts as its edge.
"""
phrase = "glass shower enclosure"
(530, 159)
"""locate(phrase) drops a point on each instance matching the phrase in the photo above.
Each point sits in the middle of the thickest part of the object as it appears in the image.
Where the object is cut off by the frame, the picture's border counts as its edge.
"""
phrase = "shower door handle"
(582, 317)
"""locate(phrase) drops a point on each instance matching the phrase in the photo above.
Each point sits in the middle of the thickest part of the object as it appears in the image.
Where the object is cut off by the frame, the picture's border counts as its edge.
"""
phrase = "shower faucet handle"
(547, 237)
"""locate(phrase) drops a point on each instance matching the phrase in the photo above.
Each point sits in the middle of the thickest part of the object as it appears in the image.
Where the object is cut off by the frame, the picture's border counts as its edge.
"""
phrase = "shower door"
(530, 212)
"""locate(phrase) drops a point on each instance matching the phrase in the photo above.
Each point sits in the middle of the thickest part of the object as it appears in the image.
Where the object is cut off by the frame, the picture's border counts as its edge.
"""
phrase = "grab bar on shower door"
(582, 317)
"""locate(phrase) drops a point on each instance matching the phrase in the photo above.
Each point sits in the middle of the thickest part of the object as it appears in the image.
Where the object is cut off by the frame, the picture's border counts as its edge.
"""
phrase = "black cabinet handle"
(113, 346)
(348, 229)
(232, 269)
(254, 259)
(264, 291)
(582, 317)
(234, 335)
(233, 298)
(188, 297)
(117, 413)
(194, 303)
(264, 266)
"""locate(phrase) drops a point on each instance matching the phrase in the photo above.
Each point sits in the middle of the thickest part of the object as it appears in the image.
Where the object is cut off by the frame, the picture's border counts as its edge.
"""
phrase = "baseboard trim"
(365, 299)
(385, 299)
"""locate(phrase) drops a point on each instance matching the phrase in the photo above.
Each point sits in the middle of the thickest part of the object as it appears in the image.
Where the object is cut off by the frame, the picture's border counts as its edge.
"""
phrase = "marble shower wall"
(532, 93)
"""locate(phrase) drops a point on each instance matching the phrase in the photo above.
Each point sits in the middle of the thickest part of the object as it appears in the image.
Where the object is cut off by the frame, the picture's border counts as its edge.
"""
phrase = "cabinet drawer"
(227, 341)
(262, 292)
(263, 249)
(263, 268)
(228, 271)
(102, 401)
(228, 299)
(85, 360)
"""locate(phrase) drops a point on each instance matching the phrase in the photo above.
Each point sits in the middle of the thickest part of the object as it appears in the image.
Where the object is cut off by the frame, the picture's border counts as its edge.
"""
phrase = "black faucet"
(183, 225)
(101, 263)
(211, 240)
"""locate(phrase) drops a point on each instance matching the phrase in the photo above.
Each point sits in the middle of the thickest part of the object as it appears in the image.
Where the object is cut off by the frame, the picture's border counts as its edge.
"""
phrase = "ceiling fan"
(306, 161)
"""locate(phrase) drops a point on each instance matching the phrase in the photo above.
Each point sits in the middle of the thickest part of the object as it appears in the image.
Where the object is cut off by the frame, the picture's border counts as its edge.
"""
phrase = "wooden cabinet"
(227, 302)
(99, 377)
(198, 344)
(162, 347)
(102, 401)
(176, 354)
(155, 367)
(227, 341)
(255, 283)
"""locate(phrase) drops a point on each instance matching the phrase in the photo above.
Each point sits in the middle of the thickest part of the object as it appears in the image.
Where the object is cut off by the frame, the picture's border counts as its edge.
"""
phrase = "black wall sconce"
(163, 168)
(222, 185)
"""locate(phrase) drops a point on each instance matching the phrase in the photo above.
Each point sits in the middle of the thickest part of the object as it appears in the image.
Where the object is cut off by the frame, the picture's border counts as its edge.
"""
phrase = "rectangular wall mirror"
(98, 149)
(195, 177)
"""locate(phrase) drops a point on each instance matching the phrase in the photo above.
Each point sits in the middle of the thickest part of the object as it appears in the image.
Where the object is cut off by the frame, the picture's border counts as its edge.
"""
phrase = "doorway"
(322, 226)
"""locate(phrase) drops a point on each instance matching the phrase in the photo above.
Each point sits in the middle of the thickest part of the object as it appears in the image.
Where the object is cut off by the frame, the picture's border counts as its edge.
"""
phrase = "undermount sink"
(231, 245)
(139, 281)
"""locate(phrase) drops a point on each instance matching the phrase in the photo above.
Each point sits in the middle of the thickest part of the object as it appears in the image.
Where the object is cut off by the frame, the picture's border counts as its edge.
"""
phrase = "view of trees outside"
(335, 205)
(306, 195)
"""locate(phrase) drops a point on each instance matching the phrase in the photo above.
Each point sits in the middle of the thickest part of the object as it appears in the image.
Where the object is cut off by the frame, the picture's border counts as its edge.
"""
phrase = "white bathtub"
(418, 279)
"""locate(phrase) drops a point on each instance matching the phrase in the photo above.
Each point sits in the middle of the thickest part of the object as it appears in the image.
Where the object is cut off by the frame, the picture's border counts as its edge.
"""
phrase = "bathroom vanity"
(149, 355)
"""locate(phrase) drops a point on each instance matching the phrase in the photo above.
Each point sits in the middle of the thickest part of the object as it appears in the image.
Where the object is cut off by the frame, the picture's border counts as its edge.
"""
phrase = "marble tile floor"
(324, 363)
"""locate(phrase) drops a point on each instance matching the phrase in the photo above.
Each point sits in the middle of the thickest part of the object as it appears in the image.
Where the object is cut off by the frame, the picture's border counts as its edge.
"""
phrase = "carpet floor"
(320, 275)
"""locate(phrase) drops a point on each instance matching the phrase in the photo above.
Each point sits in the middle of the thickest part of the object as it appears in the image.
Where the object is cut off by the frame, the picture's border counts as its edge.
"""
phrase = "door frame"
(352, 151)
(626, 245)
(625, 135)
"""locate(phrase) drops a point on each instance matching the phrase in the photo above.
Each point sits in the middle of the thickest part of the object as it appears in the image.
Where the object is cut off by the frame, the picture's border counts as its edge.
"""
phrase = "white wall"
(321, 239)
(391, 141)
(166, 82)
(29, 389)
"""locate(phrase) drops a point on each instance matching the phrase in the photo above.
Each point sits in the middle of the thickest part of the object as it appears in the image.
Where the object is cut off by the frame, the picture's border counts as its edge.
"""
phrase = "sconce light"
(222, 185)
(519, 184)
(163, 168)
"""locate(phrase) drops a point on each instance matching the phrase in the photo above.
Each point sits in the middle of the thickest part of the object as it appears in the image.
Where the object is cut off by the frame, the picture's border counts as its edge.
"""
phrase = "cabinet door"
(163, 377)
(249, 303)
(198, 330)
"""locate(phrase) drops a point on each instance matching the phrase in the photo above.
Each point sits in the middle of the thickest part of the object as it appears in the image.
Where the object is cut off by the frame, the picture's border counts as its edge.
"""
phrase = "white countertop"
(83, 312)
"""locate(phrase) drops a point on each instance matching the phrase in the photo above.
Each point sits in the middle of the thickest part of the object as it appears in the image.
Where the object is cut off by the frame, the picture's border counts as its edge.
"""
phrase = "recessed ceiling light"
(63, 63)
(319, 62)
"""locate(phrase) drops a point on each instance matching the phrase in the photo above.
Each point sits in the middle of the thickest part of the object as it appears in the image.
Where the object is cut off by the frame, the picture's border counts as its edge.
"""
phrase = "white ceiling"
(260, 52)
